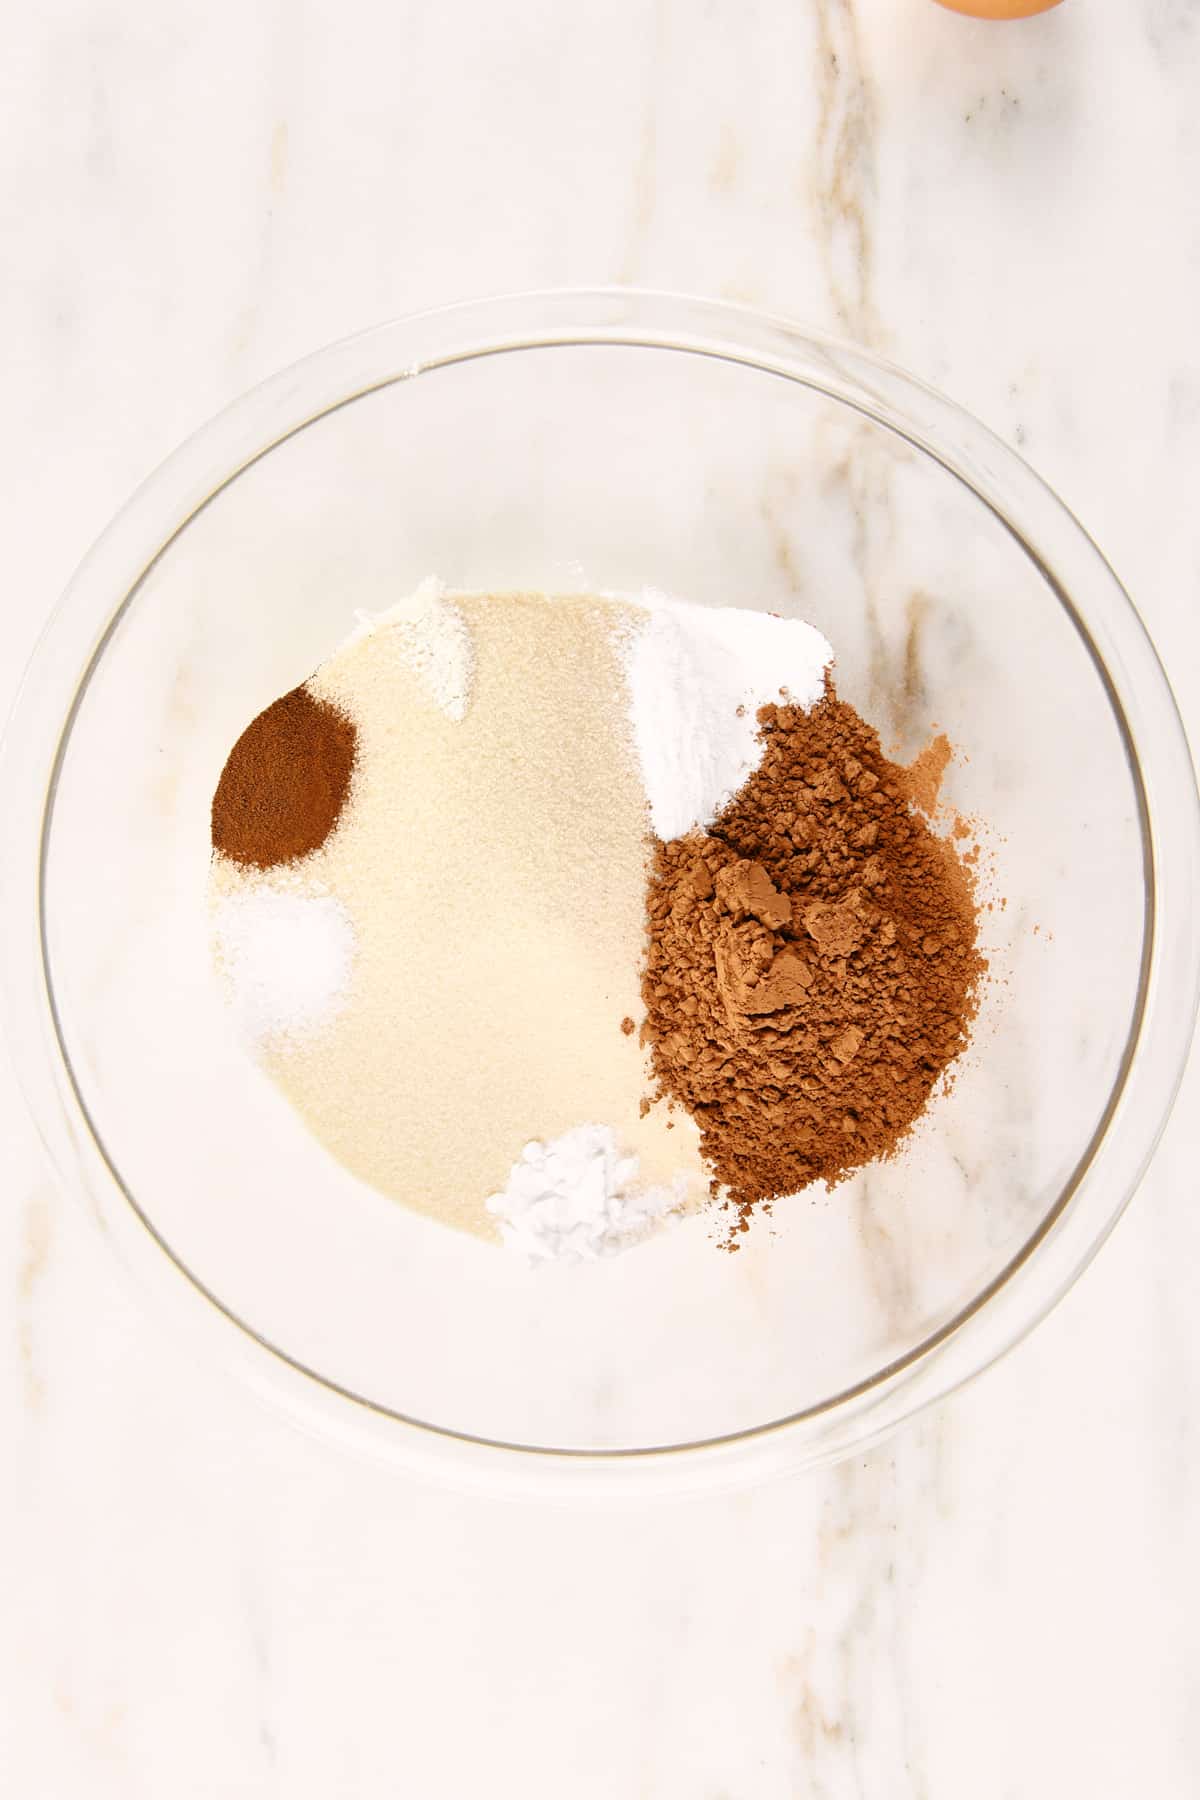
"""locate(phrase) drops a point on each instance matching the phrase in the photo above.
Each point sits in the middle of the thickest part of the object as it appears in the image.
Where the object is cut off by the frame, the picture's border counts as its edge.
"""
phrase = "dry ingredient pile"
(812, 966)
(554, 917)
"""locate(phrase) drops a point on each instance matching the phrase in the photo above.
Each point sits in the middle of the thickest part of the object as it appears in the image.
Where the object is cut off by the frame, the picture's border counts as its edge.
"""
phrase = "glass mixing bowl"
(615, 441)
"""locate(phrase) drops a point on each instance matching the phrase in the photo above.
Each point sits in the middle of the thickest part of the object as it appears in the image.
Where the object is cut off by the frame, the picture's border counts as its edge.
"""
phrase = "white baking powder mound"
(287, 958)
(697, 676)
(577, 1198)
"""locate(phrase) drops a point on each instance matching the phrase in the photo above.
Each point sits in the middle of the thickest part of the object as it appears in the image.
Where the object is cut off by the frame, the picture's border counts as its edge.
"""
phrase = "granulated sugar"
(286, 956)
(494, 865)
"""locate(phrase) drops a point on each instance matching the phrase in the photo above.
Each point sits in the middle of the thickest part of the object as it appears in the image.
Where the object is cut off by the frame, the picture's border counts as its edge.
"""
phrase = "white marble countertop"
(1002, 1600)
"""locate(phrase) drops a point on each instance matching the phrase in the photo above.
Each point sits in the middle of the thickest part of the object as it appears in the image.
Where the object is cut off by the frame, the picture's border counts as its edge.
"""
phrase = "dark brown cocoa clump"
(812, 967)
(284, 785)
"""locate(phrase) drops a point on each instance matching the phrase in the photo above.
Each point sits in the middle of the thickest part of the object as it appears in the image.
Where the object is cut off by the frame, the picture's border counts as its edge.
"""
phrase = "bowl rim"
(1109, 1168)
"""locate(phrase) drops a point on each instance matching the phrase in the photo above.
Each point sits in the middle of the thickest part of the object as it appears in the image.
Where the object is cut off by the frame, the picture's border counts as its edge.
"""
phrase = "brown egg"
(999, 9)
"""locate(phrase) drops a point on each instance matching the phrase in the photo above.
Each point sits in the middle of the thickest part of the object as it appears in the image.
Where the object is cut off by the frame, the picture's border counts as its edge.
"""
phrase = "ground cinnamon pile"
(283, 788)
(812, 967)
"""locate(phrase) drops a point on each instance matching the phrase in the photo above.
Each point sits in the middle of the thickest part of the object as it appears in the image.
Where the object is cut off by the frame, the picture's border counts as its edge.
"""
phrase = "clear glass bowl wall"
(576, 443)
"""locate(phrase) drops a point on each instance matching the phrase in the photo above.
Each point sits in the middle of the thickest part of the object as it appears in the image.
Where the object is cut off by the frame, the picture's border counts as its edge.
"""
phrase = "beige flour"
(495, 872)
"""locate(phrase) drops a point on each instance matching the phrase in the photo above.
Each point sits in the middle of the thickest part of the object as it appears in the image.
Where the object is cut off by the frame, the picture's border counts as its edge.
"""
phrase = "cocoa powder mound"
(812, 965)
(286, 780)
